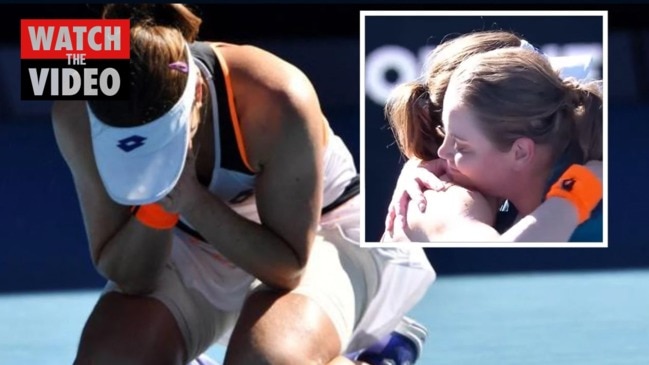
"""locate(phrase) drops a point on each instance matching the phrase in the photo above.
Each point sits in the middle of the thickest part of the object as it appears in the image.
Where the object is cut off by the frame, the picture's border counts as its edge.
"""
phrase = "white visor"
(572, 66)
(568, 66)
(142, 164)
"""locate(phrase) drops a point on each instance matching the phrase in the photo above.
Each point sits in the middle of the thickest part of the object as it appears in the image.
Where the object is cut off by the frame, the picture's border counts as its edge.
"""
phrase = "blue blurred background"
(44, 244)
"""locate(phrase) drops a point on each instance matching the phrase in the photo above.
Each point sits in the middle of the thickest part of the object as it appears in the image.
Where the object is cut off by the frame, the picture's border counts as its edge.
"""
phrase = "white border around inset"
(603, 14)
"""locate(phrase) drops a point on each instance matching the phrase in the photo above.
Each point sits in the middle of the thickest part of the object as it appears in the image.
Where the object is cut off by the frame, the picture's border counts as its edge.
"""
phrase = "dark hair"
(158, 35)
(515, 92)
(414, 109)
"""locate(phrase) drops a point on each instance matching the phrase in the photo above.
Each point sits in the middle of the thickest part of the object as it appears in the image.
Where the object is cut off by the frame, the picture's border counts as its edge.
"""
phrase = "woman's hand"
(416, 177)
(456, 214)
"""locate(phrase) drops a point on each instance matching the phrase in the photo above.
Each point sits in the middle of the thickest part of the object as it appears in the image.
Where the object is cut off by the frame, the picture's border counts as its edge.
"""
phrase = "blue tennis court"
(572, 318)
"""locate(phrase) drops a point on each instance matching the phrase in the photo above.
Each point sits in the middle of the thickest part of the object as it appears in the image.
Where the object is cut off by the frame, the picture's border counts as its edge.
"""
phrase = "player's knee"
(276, 355)
(108, 347)
(100, 354)
(282, 329)
(267, 348)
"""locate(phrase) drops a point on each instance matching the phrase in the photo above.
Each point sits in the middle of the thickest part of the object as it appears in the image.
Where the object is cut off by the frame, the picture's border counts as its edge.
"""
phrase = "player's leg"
(125, 329)
(312, 323)
(171, 326)
(282, 328)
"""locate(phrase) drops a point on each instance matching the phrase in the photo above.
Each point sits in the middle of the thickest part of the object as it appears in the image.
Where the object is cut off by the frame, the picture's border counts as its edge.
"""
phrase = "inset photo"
(484, 129)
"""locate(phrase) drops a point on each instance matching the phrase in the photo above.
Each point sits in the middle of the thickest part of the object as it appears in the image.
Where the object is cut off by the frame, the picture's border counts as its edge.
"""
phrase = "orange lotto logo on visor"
(74, 59)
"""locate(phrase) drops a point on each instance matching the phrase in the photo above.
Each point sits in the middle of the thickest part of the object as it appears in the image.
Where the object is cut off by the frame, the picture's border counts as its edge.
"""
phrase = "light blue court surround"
(599, 318)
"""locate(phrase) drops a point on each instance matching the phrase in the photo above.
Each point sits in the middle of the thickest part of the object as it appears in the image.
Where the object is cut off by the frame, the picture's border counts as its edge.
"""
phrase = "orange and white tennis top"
(233, 181)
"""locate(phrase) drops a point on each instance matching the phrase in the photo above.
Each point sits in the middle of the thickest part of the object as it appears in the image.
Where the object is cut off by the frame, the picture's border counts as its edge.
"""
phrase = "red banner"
(68, 38)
